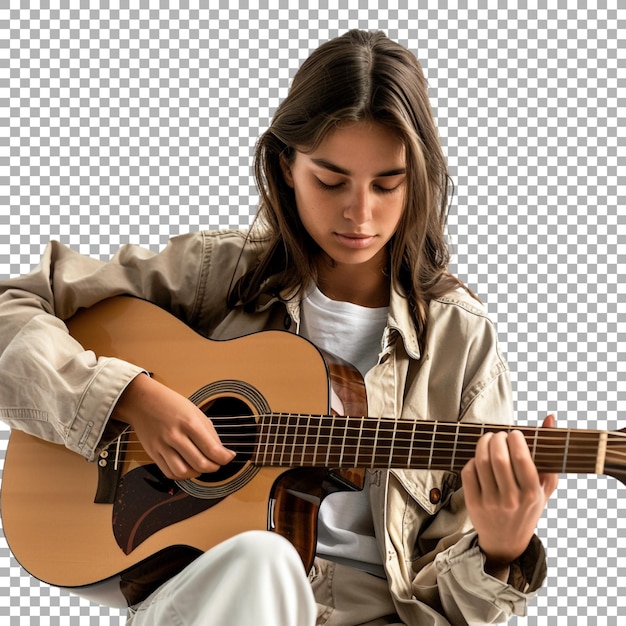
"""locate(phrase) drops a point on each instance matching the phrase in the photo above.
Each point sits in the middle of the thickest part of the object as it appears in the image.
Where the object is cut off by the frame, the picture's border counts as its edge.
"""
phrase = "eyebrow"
(340, 170)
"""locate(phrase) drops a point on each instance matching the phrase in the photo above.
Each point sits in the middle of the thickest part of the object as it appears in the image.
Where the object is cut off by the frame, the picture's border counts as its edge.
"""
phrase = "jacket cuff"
(88, 427)
(530, 569)
(461, 576)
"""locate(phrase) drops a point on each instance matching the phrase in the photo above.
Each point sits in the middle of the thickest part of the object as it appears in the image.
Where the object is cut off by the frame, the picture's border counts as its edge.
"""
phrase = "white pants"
(253, 579)
(257, 579)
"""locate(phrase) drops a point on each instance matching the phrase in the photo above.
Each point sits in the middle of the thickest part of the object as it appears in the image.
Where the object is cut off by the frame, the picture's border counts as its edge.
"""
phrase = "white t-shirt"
(354, 333)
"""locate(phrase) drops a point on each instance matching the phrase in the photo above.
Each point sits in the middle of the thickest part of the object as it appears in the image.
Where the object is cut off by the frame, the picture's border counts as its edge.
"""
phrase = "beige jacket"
(51, 388)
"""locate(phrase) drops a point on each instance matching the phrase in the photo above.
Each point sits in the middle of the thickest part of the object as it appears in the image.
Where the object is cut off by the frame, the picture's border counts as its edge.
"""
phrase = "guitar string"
(409, 434)
(331, 420)
(547, 463)
(545, 451)
(305, 458)
(259, 448)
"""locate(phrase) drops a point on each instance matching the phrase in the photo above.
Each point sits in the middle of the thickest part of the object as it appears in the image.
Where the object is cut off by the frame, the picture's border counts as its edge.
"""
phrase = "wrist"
(496, 568)
(497, 564)
(124, 410)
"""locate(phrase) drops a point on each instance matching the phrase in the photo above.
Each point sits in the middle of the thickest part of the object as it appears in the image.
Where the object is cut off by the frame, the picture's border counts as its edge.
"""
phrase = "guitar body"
(115, 529)
(75, 524)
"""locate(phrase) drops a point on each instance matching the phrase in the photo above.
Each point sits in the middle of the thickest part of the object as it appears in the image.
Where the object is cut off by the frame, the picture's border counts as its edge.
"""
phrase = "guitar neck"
(336, 441)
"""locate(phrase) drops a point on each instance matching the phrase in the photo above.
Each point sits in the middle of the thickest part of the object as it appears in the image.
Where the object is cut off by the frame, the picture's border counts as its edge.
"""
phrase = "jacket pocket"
(431, 489)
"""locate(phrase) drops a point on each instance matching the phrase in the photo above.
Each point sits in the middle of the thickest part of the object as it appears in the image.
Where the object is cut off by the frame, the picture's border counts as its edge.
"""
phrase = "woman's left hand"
(505, 496)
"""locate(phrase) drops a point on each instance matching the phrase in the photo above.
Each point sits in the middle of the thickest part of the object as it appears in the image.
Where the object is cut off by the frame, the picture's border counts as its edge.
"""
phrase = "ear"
(285, 166)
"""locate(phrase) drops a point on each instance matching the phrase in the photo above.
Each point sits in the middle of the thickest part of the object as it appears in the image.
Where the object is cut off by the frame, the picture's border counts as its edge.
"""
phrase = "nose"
(359, 207)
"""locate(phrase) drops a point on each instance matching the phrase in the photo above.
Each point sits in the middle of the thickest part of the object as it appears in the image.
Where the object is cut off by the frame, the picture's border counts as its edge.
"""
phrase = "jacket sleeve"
(49, 386)
(470, 596)
(467, 592)
(440, 560)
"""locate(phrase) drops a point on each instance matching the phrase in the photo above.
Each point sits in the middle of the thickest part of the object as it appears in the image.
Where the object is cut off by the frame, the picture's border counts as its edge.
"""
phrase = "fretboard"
(336, 441)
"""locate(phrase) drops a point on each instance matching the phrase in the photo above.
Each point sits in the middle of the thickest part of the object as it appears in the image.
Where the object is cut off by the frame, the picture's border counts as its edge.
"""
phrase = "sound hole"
(236, 426)
(231, 405)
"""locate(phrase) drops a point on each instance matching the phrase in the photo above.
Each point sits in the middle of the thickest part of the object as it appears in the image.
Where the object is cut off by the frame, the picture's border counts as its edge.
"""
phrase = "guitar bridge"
(110, 465)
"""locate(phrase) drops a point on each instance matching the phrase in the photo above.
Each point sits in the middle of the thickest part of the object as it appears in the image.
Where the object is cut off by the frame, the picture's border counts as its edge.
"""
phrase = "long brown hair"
(358, 76)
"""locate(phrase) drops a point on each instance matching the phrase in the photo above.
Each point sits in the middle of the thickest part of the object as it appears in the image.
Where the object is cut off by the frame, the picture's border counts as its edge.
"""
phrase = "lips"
(354, 240)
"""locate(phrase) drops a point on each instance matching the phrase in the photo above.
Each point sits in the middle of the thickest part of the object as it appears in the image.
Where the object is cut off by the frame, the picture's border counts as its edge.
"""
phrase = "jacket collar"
(399, 319)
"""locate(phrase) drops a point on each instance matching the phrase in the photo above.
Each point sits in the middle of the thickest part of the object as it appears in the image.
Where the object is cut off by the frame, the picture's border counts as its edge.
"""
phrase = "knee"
(256, 554)
(265, 547)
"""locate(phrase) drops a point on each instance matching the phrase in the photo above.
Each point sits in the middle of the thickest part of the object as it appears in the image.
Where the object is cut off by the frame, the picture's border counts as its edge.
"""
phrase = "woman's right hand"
(176, 434)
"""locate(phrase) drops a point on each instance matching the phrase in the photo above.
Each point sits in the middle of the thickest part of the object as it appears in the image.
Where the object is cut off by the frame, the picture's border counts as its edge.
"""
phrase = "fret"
(565, 452)
(305, 441)
(303, 434)
(282, 443)
(456, 440)
(392, 443)
(534, 452)
(294, 440)
(343, 442)
(282, 438)
(432, 446)
(601, 460)
(276, 447)
(410, 459)
(330, 442)
(270, 443)
(285, 438)
(373, 462)
(263, 438)
(358, 444)
(317, 443)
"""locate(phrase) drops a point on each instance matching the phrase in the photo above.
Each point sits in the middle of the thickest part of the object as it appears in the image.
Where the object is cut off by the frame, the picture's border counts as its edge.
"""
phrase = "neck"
(365, 284)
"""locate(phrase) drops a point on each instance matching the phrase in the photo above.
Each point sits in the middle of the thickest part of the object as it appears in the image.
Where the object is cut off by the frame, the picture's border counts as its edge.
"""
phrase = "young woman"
(348, 250)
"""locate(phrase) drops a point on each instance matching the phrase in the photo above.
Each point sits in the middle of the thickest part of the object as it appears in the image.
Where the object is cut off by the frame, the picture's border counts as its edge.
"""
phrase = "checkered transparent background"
(123, 125)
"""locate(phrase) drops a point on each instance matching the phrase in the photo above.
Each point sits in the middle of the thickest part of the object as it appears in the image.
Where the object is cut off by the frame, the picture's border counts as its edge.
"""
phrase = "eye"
(385, 189)
(328, 187)
(381, 189)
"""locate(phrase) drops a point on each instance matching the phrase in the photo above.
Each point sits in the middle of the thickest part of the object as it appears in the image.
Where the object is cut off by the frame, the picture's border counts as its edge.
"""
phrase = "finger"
(189, 463)
(191, 455)
(212, 445)
(173, 466)
(204, 449)
(484, 469)
(198, 443)
(469, 478)
(500, 458)
(549, 482)
(522, 463)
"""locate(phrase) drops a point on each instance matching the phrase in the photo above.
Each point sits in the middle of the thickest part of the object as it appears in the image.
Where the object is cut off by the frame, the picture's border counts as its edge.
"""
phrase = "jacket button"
(435, 496)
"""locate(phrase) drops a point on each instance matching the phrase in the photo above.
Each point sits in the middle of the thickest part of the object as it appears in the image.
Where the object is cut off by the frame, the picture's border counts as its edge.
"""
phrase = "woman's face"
(350, 191)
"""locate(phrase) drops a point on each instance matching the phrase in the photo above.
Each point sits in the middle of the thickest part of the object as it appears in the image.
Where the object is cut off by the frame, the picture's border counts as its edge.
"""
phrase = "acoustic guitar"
(114, 529)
